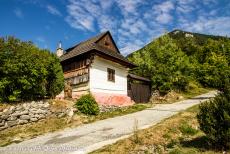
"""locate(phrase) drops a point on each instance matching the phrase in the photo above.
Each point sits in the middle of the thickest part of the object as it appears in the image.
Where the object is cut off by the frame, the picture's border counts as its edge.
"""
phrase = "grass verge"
(195, 92)
(174, 96)
(179, 134)
(117, 112)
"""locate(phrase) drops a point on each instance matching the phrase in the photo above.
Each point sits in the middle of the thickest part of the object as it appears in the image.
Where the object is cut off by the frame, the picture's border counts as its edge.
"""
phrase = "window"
(106, 43)
(111, 74)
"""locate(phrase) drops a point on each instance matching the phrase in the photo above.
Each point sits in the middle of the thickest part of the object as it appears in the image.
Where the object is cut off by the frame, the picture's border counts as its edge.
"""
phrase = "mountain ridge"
(180, 35)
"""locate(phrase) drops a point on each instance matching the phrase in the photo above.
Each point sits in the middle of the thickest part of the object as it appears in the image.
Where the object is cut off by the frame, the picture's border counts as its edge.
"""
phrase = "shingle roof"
(90, 45)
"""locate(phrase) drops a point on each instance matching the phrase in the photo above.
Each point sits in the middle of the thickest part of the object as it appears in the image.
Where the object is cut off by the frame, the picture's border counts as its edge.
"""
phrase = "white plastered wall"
(98, 77)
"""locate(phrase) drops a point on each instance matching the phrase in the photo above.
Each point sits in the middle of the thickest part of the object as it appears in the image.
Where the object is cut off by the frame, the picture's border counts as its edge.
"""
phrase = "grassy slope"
(176, 135)
(195, 92)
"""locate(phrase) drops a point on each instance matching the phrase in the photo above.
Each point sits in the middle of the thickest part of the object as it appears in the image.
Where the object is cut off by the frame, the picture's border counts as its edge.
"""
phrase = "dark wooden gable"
(107, 42)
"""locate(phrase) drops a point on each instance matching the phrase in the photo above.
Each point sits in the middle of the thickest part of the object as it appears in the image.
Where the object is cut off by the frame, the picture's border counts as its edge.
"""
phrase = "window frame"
(110, 75)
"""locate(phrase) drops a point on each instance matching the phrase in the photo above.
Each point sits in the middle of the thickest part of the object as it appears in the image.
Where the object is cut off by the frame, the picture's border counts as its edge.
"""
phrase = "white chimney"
(59, 51)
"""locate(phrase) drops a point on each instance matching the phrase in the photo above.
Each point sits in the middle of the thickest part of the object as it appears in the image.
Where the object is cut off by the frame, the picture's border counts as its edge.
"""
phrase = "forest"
(182, 60)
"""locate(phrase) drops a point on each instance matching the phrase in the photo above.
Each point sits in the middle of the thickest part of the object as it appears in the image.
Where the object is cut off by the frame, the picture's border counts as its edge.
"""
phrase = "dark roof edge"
(118, 59)
(140, 78)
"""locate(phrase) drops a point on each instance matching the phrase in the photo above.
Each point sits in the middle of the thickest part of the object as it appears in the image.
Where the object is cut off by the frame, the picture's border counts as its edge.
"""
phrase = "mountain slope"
(178, 58)
(183, 37)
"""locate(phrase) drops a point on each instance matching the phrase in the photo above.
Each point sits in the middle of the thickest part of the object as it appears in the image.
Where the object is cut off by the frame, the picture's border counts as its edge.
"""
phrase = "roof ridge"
(97, 37)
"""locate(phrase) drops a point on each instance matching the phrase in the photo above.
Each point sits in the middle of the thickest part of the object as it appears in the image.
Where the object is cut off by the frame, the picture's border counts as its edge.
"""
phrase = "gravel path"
(89, 137)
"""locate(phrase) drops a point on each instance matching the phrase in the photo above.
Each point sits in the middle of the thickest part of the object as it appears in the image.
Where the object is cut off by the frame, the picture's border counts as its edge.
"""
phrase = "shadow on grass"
(200, 143)
(200, 98)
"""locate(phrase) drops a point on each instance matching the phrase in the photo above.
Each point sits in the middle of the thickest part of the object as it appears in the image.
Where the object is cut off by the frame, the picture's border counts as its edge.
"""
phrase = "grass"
(196, 91)
(186, 129)
(27, 131)
(175, 96)
(119, 112)
(23, 132)
(179, 134)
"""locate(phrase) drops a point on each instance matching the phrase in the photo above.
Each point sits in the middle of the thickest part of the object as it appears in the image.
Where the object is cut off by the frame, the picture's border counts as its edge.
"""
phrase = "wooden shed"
(139, 88)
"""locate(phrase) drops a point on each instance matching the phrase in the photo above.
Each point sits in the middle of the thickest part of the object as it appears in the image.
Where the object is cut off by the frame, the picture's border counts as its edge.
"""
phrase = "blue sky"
(133, 23)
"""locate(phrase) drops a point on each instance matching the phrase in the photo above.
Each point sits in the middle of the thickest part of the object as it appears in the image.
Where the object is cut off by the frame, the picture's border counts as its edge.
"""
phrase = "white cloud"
(186, 6)
(82, 14)
(164, 18)
(127, 26)
(209, 2)
(213, 12)
(51, 9)
(129, 6)
(134, 23)
(106, 22)
(163, 12)
(18, 13)
(106, 4)
(164, 7)
(133, 26)
(129, 48)
(210, 25)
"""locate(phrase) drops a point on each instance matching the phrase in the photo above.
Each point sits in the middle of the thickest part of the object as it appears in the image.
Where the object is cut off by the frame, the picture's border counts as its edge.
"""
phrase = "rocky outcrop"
(24, 113)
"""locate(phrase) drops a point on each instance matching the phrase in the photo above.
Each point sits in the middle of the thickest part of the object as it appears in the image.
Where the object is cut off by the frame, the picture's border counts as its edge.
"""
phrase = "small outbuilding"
(139, 88)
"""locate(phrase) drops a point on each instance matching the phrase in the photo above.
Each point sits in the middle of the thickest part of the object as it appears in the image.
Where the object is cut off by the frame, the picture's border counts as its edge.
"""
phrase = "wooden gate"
(138, 92)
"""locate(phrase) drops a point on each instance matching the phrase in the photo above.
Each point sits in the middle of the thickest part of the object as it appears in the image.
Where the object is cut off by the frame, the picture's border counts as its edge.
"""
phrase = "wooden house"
(96, 66)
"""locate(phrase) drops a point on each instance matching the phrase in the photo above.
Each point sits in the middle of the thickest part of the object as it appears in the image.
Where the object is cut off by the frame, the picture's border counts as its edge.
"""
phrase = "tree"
(165, 63)
(214, 64)
(214, 118)
(55, 77)
(27, 72)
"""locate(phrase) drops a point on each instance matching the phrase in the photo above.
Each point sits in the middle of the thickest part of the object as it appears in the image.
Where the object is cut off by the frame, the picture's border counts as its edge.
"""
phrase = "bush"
(214, 119)
(27, 72)
(187, 130)
(87, 105)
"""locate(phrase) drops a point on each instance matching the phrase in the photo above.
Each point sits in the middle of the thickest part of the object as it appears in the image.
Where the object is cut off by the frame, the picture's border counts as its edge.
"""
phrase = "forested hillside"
(181, 60)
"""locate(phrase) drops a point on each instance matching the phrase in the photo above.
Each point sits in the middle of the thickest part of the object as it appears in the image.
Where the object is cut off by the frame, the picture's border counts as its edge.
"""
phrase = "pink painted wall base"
(103, 98)
(112, 99)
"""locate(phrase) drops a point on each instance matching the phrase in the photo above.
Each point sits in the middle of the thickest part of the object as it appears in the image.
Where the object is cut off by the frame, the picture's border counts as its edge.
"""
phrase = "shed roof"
(140, 78)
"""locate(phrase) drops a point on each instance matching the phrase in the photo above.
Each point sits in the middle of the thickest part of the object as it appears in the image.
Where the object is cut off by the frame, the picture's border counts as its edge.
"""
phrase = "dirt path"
(89, 137)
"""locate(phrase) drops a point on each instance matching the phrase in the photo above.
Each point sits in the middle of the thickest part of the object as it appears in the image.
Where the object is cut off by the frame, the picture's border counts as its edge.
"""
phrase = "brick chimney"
(59, 50)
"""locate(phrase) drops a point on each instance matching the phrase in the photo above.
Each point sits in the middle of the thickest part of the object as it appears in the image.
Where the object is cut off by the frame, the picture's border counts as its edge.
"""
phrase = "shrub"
(27, 72)
(187, 130)
(214, 119)
(86, 104)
